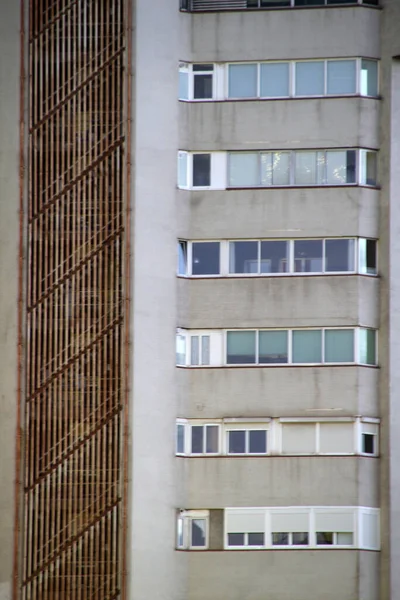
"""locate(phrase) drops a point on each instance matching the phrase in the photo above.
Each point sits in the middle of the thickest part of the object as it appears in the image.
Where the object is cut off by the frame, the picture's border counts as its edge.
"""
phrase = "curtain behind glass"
(339, 345)
(243, 81)
(244, 169)
(307, 346)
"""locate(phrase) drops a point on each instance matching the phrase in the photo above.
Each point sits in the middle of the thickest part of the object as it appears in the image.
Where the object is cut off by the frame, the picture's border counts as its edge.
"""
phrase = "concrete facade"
(160, 483)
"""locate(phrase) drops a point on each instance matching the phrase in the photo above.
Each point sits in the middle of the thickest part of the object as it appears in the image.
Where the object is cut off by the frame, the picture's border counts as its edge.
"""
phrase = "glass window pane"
(197, 439)
(202, 67)
(242, 81)
(235, 539)
(257, 441)
(194, 350)
(274, 80)
(339, 255)
(344, 538)
(273, 347)
(307, 346)
(368, 168)
(205, 258)
(236, 442)
(180, 438)
(324, 538)
(300, 539)
(180, 349)
(182, 258)
(256, 539)
(203, 86)
(305, 168)
(339, 345)
(241, 347)
(309, 2)
(341, 76)
(243, 257)
(368, 258)
(336, 167)
(367, 345)
(368, 443)
(182, 169)
(308, 256)
(198, 533)
(281, 168)
(212, 439)
(280, 539)
(179, 532)
(205, 349)
(266, 168)
(183, 85)
(310, 78)
(201, 170)
(273, 3)
(244, 169)
(369, 77)
(274, 257)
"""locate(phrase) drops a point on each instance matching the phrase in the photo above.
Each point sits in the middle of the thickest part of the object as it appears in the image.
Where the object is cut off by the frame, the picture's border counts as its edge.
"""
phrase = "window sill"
(278, 275)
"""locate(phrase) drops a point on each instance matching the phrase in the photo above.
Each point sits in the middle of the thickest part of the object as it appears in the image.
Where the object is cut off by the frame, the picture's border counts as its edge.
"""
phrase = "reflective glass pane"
(241, 347)
(280, 539)
(180, 350)
(310, 78)
(339, 255)
(339, 345)
(242, 81)
(205, 349)
(309, 2)
(179, 533)
(198, 533)
(367, 346)
(336, 167)
(305, 168)
(324, 538)
(236, 442)
(273, 347)
(243, 257)
(307, 346)
(300, 539)
(182, 258)
(274, 80)
(308, 256)
(256, 539)
(197, 439)
(368, 443)
(274, 3)
(344, 538)
(281, 168)
(201, 170)
(235, 539)
(202, 67)
(212, 437)
(274, 257)
(266, 168)
(203, 86)
(341, 76)
(368, 258)
(369, 77)
(205, 258)
(182, 169)
(180, 438)
(194, 350)
(368, 168)
(183, 85)
(244, 170)
(257, 441)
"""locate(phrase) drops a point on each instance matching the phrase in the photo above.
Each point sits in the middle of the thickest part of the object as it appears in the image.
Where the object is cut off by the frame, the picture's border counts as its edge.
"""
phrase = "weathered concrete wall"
(9, 243)
(282, 481)
(329, 301)
(278, 392)
(270, 213)
(283, 124)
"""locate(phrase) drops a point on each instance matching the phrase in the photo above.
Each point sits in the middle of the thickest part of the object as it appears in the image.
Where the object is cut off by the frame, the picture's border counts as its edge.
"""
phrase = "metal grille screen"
(74, 311)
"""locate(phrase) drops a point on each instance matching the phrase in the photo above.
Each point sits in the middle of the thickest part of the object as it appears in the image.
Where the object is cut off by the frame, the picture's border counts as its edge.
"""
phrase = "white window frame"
(247, 428)
(311, 512)
(187, 517)
(224, 255)
(217, 170)
(218, 76)
(204, 425)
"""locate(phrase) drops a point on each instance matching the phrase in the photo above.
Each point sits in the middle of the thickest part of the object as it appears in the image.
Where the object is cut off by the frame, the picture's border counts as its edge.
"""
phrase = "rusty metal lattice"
(74, 309)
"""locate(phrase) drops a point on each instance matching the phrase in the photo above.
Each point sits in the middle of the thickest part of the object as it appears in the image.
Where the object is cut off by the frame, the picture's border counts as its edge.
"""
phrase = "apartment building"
(200, 302)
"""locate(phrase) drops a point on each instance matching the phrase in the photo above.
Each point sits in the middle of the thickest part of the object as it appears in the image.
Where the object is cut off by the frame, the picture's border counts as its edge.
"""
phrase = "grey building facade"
(198, 318)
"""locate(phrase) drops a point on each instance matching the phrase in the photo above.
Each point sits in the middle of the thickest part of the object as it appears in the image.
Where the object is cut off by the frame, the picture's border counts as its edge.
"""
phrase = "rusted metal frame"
(128, 11)
(20, 317)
